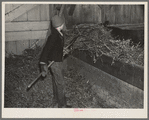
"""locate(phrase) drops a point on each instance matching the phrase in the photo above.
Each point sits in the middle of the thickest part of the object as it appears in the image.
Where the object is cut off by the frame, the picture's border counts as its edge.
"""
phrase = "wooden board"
(34, 43)
(26, 26)
(76, 18)
(21, 46)
(27, 35)
(31, 43)
(34, 14)
(21, 18)
(10, 47)
(98, 14)
(11, 7)
(115, 92)
(17, 12)
(44, 11)
(128, 26)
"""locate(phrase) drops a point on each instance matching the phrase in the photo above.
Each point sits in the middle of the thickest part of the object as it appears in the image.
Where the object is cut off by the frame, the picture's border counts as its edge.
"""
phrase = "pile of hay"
(97, 40)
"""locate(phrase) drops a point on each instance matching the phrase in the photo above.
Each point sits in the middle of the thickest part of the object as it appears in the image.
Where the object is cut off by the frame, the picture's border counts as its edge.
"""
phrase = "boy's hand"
(66, 51)
(44, 70)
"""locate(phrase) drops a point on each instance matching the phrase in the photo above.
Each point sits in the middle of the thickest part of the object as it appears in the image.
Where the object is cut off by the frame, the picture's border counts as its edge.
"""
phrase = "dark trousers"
(58, 83)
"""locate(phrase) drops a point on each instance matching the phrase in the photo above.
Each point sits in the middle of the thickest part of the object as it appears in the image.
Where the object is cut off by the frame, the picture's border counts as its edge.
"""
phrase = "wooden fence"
(123, 14)
(115, 14)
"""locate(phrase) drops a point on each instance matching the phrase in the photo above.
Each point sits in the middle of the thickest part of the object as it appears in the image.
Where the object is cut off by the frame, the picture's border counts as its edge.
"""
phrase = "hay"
(97, 40)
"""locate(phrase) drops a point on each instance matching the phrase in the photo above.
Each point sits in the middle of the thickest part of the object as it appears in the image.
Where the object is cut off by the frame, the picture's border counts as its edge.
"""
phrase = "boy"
(53, 51)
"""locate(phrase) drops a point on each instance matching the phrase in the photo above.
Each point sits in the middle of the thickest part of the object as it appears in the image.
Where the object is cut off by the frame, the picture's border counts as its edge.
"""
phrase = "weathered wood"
(113, 91)
(44, 11)
(77, 17)
(51, 10)
(27, 35)
(71, 10)
(11, 7)
(123, 25)
(128, 26)
(10, 47)
(122, 14)
(61, 10)
(34, 43)
(26, 26)
(112, 16)
(21, 18)
(132, 74)
(98, 13)
(21, 46)
(17, 12)
(34, 14)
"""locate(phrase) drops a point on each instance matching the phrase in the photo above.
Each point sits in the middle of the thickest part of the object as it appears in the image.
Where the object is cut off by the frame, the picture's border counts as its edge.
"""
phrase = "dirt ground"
(20, 71)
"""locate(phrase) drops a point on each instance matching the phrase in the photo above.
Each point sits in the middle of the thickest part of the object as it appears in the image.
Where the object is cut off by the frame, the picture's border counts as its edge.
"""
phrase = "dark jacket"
(53, 50)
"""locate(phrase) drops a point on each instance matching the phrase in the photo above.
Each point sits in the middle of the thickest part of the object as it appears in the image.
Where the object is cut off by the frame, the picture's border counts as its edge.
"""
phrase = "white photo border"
(83, 113)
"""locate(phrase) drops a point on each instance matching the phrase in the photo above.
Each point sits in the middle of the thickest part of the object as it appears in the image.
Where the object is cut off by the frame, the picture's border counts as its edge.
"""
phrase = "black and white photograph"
(74, 59)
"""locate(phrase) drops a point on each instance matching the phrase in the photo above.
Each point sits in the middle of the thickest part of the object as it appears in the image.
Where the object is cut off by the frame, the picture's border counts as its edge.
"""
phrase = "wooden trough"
(115, 91)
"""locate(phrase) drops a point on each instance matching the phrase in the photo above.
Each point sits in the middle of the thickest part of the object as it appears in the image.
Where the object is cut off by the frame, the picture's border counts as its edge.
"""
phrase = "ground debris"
(21, 71)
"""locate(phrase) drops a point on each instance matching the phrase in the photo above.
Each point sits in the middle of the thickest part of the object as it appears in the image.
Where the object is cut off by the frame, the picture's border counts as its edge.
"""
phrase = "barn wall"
(25, 25)
(123, 14)
(115, 14)
(83, 14)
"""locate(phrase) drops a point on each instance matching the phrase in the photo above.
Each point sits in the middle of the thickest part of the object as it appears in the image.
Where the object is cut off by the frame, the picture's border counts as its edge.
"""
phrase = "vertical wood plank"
(120, 15)
(98, 11)
(34, 14)
(112, 15)
(7, 52)
(44, 11)
(141, 8)
(31, 43)
(125, 7)
(127, 13)
(117, 14)
(132, 14)
(51, 10)
(41, 42)
(7, 8)
(11, 47)
(75, 17)
(34, 43)
(103, 14)
(94, 14)
(108, 14)
(21, 46)
(139, 15)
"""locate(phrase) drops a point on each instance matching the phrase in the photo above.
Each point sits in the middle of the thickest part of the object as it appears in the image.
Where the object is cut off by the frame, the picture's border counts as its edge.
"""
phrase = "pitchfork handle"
(30, 85)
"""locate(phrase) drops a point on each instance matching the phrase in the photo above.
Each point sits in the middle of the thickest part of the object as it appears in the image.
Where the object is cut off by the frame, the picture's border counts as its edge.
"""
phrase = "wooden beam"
(121, 25)
(128, 26)
(11, 7)
(26, 26)
(71, 10)
(17, 12)
(61, 10)
(27, 35)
